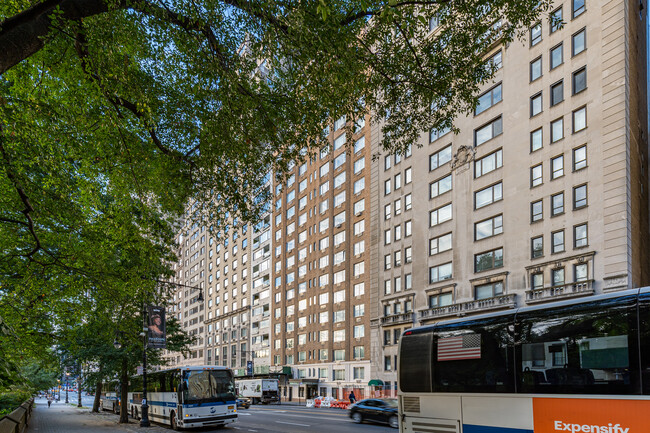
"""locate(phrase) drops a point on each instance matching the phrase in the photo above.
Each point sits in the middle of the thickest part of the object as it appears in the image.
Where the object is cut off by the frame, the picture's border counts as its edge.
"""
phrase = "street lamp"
(67, 375)
(144, 421)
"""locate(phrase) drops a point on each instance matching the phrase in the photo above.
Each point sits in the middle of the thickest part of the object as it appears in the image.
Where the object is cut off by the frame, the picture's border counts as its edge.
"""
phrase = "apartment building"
(320, 259)
(232, 324)
(542, 196)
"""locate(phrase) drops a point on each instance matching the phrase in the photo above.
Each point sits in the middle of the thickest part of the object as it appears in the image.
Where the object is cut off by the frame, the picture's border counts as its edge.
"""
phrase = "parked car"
(375, 409)
(244, 402)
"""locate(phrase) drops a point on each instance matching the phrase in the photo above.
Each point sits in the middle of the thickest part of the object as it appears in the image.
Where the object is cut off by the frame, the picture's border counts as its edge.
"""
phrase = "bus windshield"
(208, 386)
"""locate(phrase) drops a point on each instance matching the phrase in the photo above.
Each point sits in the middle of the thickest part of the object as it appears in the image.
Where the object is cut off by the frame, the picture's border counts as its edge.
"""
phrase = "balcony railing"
(462, 308)
(396, 319)
(554, 293)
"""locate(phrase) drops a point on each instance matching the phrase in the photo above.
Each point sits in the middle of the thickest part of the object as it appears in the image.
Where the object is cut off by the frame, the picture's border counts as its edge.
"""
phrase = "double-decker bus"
(569, 366)
(110, 396)
(187, 397)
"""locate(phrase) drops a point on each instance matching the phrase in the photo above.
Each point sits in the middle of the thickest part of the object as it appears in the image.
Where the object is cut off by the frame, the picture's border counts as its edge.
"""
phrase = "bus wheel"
(172, 418)
(393, 422)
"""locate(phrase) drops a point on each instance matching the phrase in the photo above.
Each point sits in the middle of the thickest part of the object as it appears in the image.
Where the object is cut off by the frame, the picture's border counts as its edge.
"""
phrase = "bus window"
(415, 362)
(208, 385)
(582, 348)
(474, 356)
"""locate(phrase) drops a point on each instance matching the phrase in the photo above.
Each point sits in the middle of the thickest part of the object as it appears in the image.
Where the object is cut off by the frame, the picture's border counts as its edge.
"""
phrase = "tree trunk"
(24, 34)
(124, 394)
(98, 393)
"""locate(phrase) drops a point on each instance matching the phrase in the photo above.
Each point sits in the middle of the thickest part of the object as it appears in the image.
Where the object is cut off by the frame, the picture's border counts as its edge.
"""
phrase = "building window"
(579, 42)
(536, 69)
(580, 272)
(440, 272)
(557, 57)
(496, 61)
(408, 228)
(440, 158)
(557, 245)
(579, 80)
(387, 364)
(537, 247)
(398, 258)
(580, 196)
(439, 244)
(398, 181)
(578, 8)
(557, 167)
(387, 211)
(557, 93)
(536, 140)
(408, 255)
(536, 176)
(537, 281)
(580, 158)
(440, 186)
(488, 132)
(488, 163)
(407, 202)
(556, 20)
(387, 187)
(488, 99)
(579, 119)
(557, 276)
(387, 262)
(485, 291)
(536, 104)
(359, 372)
(398, 206)
(488, 195)
(408, 176)
(557, 130)
(440, 300)
(435, 134)
(488, 260)
(359, 331)
(580, 236)
(387, 236)
(557, 204)
(488, 228)
(440, 215)
(408, 282)
(535, 34)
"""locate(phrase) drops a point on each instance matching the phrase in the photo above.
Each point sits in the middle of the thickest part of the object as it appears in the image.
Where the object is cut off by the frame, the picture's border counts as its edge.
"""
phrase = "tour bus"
(570, 366)
(186, 397)
(109, 399)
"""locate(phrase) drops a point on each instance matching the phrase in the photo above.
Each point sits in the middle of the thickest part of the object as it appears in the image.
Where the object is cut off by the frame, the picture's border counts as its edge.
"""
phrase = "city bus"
(109, 399)
(570, 366)
(186, 397)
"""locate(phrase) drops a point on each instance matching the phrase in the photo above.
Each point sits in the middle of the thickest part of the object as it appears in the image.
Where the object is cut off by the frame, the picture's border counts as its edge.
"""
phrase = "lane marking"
(294, 423)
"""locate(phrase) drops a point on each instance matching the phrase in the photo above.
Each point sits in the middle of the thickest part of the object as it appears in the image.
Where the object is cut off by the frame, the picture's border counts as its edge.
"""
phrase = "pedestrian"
(49, 401)
(353, 398)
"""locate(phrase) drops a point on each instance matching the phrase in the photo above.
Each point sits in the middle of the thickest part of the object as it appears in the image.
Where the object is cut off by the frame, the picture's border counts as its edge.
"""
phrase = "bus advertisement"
(580, 365)
(187, 397)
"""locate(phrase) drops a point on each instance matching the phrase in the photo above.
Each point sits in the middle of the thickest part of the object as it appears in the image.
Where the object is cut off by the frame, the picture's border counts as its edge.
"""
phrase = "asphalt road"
(296, 419)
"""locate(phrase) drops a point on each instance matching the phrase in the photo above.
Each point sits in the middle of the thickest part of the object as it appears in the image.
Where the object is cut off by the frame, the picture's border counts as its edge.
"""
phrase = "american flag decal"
(456, 348)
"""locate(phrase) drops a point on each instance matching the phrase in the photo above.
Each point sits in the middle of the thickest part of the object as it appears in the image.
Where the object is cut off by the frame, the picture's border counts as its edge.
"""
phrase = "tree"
(113, 113)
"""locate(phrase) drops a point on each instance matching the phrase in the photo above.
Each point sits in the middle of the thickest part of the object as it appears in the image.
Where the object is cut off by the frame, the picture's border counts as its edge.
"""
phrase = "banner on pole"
(156, 325)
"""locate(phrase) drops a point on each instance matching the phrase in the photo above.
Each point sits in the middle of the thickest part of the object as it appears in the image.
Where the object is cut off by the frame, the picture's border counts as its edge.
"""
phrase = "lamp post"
(67, 375)
(58, 382)
(144, 421)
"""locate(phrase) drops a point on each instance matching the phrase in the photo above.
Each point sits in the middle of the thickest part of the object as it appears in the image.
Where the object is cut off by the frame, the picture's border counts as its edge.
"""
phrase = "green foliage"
(10, 400)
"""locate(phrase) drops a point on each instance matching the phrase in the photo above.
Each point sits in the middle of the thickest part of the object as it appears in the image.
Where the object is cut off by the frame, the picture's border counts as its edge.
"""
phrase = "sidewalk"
(64, 418)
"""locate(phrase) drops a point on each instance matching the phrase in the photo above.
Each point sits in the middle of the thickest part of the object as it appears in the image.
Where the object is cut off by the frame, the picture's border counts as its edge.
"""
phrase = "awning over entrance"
(376, 382)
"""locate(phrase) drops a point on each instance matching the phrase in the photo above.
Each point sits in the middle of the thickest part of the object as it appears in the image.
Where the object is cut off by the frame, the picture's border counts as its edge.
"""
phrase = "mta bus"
(110, 397)
(578, 365)
(187, 397)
